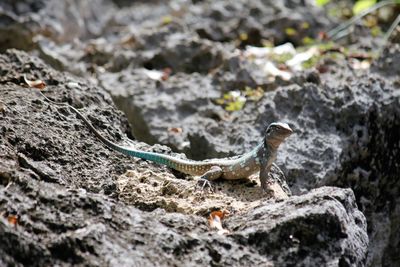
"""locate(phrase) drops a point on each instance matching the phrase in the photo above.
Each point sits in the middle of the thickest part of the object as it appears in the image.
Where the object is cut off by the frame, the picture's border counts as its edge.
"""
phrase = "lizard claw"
(203, 184)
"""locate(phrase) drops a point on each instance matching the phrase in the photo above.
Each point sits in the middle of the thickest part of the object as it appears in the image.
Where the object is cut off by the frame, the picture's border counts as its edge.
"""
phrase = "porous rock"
(59, 202)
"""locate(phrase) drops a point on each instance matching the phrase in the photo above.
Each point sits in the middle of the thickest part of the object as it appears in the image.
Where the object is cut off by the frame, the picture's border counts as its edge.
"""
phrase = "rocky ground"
(152, 74)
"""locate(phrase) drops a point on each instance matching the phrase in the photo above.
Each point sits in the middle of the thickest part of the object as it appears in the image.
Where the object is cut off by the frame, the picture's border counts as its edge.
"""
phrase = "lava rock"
(60, 202)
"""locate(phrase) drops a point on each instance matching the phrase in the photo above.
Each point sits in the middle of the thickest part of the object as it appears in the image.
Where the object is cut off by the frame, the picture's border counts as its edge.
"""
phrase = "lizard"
(260, 159)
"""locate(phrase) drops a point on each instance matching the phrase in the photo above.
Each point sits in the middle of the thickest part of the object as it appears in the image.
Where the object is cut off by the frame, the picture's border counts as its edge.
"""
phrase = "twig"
(388, 34)
(334, 32)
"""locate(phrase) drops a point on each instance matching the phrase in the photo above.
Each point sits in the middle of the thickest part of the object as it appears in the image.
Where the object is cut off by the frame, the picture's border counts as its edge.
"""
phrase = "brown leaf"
(13, 219)
(35, 83)
(215, 221)
(322, 68)
(128, 41)
(166, 73)
(332, 50)
(323, 36)
(360, 56)
(176, 130)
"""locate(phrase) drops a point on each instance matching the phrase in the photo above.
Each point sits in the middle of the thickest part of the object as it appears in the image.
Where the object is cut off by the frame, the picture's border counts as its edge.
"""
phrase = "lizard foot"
(203, 184)
(266, 186)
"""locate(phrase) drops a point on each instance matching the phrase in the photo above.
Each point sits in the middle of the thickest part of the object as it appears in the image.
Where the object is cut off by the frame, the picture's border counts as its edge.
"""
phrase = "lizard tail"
(151, 156)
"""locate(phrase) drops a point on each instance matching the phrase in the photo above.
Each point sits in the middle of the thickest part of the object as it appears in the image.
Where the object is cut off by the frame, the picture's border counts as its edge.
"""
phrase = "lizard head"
(276, 133)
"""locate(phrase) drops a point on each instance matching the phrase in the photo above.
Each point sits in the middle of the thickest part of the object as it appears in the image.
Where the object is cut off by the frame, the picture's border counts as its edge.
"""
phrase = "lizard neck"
(268, 150)
(272, 144)
(258, 150)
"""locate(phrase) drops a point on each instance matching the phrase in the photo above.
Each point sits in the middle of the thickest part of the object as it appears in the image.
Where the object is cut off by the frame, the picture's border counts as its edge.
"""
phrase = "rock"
(345, 122)
(293, 238)
(68, 19)
(369, 165)
(51, 27)
(183, 53)
(68, 227)
(13, 32)
(63, 200)
(175, 104)
(387, 62)
(256, 21)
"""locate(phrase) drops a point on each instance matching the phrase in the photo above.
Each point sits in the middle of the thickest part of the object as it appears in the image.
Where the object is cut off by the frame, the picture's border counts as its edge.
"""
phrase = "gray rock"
(59, 226)
(59, 202)
(346, 120)
(370, 165)
(387, 64)
(292, 239)
(224, 21)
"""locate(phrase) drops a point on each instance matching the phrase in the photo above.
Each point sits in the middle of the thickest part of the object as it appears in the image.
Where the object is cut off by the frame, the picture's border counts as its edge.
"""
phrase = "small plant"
(235, 100)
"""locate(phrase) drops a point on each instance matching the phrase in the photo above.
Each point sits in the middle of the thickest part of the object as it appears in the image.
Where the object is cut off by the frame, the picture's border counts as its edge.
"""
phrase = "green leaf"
(310, 63)
(227, 96)
(253, 94)
(321, 2)
(220, 101)
(308, 40)
(375, 31)
(290, 31)
(305, 25)
(235, 106)
(362, 5)
(281, 58)
(166, 20)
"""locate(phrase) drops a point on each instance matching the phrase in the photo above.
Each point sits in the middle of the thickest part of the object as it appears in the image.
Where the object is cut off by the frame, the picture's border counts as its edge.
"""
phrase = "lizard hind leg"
(212, 174)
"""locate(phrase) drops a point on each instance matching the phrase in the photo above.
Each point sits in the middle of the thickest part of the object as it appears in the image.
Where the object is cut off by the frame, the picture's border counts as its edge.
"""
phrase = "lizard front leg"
(212, 174)
(264, 178)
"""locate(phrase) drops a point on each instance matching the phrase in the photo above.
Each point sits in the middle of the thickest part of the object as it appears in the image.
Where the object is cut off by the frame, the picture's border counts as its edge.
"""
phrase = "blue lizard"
(260, 159)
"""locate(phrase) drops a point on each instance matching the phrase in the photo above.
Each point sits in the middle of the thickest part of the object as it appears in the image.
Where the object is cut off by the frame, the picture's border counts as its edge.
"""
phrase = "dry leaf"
(215, 221)
(271, 70)
(128, 41)
(295, 62)
(176, 130)
(360, 56)
(13, 220)
(35, 83)
(322, 68)
(153, 74)
(166, 73)
(323, 36)
(262, 52)
(360, 64)
(332, 50)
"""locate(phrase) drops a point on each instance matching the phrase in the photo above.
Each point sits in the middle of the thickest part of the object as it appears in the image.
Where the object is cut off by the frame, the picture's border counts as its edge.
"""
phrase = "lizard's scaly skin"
(261, 157)
(241, 167)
